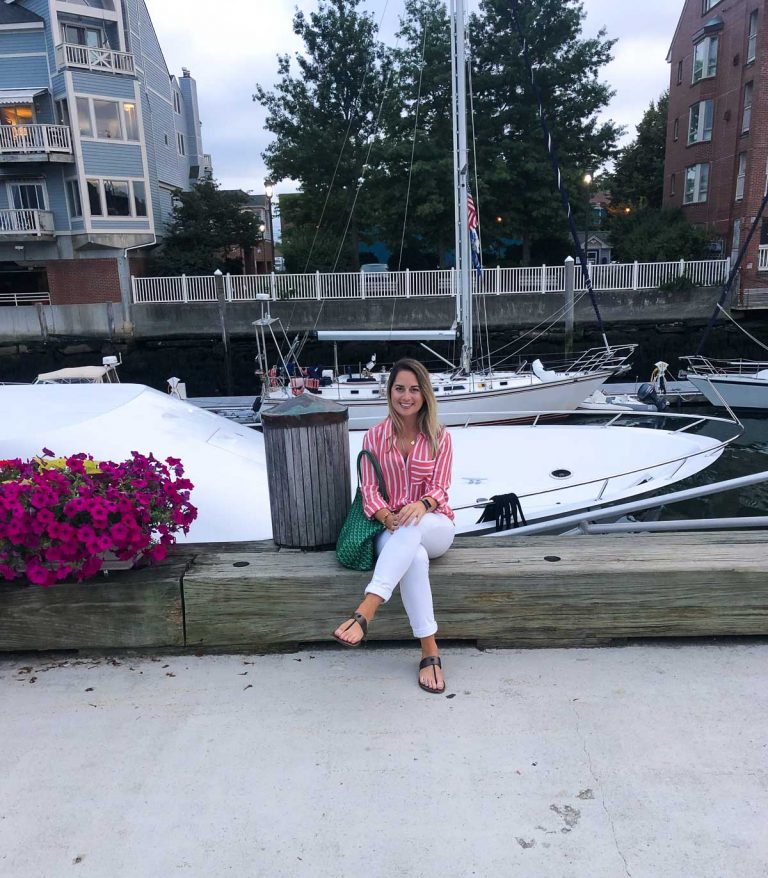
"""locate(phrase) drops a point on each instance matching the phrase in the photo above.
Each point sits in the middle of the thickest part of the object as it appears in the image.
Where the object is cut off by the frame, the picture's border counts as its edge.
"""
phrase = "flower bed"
(60, 517)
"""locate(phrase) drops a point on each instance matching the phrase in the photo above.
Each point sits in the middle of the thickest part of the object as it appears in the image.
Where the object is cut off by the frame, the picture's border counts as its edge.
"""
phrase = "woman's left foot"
(431, 675)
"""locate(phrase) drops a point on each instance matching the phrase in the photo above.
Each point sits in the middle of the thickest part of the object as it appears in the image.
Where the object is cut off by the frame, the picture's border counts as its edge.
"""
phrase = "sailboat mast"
(460, 176)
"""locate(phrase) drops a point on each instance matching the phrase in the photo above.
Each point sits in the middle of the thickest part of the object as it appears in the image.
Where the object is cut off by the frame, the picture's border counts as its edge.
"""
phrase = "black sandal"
(362, 622)
(431, 661)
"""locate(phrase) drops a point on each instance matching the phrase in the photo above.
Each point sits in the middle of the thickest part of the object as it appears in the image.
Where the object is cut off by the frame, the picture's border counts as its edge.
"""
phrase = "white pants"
(403, 556)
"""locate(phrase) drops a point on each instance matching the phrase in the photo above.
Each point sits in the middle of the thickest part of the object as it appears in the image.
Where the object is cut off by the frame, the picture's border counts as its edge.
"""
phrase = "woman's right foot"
(353, 631)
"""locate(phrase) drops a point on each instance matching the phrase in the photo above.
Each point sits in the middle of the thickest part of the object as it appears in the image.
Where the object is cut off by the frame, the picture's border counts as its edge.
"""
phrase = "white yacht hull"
(504, 403)
(738, 391)
(226, 462)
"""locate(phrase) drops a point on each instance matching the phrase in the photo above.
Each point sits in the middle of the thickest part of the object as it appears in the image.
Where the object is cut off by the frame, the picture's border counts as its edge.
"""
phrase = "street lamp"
(269, 191)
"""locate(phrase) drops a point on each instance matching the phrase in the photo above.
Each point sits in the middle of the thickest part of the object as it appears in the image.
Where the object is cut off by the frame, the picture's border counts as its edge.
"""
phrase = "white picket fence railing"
(412, 284)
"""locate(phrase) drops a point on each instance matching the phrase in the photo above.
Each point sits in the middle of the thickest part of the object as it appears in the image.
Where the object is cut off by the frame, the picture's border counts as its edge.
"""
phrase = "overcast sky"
(230, 50)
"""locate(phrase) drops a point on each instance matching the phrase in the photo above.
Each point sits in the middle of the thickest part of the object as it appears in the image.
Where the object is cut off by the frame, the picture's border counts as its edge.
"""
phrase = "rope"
(361, 179)
(341, 153)
(741, 329)
(413, 148)
(732, 274)
(514, 8)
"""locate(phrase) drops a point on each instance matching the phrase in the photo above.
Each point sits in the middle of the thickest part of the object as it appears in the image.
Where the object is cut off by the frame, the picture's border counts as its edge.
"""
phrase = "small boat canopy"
(387, 335)
(76, 373)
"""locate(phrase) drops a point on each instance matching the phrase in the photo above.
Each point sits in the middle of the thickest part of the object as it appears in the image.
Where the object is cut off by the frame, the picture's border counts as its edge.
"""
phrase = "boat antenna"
(515, 9)
(732, 274)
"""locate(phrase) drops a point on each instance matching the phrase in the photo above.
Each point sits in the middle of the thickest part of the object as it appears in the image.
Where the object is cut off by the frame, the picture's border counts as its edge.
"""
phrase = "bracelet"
(427, 504)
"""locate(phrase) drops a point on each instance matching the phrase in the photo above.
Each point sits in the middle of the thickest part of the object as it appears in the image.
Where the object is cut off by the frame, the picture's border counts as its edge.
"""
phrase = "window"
(139, 198)
(752, 38)
(113, 121)
(741, 176)
(676, 130)
(700, 122)
(94, 198)
(708, 4)
(679, 72)
(98, 4)
(107, 116)
(84, 117)
(73, 198)
(27, 196)
(117, 197)
(131, 122)
(705, 58)
(78, 35)
(672, 184)
(180, 143)
(16, 115)
(177, 102)
(62, 112)
(746, 115)
(736, 241)
(696, 184)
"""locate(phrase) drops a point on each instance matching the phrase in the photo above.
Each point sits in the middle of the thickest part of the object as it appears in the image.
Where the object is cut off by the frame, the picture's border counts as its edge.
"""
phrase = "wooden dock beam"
(534, 591)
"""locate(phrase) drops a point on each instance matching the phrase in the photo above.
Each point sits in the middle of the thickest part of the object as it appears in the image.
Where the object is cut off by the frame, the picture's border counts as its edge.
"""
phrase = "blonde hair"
(427, 418)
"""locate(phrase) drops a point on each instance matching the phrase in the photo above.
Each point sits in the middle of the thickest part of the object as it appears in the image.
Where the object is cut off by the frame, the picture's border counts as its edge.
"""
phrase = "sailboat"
(466, 394)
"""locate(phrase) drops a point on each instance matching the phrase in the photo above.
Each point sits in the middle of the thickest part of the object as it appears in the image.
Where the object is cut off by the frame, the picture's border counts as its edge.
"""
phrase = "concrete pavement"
(648, 761)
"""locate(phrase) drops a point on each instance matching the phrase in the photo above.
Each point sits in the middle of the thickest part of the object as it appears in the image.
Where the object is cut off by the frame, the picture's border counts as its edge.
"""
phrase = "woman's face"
(406, 396)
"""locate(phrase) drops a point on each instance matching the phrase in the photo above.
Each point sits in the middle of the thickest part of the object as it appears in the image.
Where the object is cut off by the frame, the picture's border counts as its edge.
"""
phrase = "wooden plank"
(597, 589)
(126, 609)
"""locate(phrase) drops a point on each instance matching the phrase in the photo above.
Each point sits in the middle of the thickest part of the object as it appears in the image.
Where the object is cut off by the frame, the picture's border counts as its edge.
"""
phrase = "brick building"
(717, 131)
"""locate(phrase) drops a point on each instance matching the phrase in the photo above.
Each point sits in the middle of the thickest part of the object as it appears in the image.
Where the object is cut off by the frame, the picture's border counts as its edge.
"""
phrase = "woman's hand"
(411, 514)
(387, 518)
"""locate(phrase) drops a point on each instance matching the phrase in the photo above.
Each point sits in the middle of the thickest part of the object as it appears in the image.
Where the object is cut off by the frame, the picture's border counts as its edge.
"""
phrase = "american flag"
(471, 211)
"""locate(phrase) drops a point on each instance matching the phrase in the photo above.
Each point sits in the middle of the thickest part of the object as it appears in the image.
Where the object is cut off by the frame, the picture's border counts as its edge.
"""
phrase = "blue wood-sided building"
(95, 137)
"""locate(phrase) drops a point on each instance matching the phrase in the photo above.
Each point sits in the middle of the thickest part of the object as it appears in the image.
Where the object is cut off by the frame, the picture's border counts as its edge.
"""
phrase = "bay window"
(705, 58)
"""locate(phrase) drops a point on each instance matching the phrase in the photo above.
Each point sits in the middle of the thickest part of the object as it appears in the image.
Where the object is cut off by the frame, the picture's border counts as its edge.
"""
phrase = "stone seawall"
(114, 322)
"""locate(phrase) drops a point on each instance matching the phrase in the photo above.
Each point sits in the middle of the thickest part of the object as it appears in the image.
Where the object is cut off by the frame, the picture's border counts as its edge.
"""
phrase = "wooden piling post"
(569, 284)
(306, 440)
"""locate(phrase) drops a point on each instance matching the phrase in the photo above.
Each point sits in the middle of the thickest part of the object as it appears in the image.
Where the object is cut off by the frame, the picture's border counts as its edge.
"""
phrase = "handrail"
(613, 421)
(542, 280)
(35, 138)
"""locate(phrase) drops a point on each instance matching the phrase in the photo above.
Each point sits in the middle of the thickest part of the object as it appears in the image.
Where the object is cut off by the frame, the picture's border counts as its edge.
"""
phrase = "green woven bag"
(355, 546)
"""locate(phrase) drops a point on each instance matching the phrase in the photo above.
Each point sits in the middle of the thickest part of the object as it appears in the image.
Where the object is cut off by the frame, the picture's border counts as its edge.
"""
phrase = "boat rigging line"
(344, 142)
(562, 188)
(741, 329)
(732, 274)
(413, 150)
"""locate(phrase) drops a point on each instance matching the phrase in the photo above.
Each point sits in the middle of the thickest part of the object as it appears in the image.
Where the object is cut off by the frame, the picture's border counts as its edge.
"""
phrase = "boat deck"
(529, 591)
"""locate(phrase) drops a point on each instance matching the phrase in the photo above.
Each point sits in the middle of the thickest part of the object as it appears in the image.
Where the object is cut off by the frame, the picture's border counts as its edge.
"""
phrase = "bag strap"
(376, 469)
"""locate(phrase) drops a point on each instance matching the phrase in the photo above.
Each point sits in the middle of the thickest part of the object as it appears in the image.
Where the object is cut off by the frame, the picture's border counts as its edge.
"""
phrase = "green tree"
(324, 121)
(638, 176)
(649, 235)
(516, 179)
(205, 223)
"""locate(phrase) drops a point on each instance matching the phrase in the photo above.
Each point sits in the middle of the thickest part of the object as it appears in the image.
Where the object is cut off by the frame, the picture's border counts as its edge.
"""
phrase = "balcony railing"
(31, 139)
(762, 262)
(21, 223)
(90, 58)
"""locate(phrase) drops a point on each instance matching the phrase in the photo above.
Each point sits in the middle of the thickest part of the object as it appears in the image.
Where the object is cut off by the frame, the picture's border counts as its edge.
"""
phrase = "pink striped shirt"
(409, 480)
